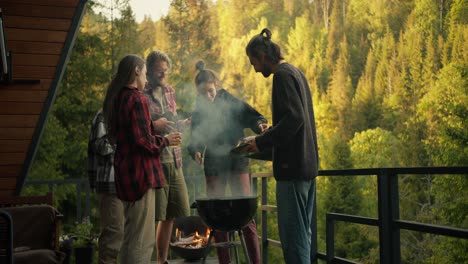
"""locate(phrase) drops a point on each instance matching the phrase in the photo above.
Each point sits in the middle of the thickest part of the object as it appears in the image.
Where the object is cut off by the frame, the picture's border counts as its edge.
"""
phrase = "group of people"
(135, 156)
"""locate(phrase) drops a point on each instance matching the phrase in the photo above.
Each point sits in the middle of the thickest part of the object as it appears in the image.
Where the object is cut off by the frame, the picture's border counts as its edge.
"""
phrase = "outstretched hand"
(198, 158)
(263, 127)
(163, 125)
(183, 124)
(251, 144)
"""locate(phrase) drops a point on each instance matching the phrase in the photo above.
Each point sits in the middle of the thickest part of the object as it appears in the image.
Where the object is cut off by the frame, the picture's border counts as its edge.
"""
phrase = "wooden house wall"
(39, 34)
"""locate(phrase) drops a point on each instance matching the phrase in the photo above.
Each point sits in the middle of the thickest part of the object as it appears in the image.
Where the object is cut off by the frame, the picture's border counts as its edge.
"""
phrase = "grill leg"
(241, 237)
(232, 239)
(208, 246)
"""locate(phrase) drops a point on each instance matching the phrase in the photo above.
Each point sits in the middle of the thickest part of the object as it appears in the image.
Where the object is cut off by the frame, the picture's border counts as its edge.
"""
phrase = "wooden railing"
(81, 186)
(388, 221)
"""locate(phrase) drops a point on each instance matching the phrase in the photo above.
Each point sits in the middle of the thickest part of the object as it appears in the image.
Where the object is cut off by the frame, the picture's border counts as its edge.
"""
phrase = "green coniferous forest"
(390, 89)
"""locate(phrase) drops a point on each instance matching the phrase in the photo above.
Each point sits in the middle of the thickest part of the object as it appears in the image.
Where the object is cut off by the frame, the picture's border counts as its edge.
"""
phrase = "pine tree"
(341, 92)
(188, 25)
(366, 110)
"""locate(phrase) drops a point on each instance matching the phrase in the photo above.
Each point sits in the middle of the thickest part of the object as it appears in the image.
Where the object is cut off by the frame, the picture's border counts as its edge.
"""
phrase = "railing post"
(395, 210)
(51, 187)
(78, 202)
(388, 212)
(313, 229)
(88, 199)
(254, 182)
(264, 222)
(330, 238)
(254, 191)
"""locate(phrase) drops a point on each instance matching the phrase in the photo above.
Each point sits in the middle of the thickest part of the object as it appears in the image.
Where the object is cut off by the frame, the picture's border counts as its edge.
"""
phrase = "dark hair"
(262, 43)
(154, 57)
(205, 75)
(125, 75)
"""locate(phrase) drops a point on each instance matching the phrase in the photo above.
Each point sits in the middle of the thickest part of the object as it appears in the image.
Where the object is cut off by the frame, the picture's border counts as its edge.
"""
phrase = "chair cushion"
(33, 226)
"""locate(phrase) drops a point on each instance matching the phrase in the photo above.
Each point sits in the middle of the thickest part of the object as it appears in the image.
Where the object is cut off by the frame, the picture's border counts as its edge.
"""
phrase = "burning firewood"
(192, 241)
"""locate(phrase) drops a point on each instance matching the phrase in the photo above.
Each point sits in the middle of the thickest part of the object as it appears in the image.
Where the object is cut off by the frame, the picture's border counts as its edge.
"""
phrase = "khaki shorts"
(172, 200)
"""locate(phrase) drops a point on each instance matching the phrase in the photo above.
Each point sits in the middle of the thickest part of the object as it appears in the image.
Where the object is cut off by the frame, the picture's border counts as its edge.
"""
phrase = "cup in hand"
(175, 138)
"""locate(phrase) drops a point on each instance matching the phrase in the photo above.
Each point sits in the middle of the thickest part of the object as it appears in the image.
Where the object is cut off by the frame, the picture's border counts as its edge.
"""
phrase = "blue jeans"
(295, 201)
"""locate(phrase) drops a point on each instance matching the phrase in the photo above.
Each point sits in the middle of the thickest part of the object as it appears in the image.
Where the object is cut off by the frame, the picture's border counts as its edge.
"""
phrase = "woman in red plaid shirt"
(137, 157)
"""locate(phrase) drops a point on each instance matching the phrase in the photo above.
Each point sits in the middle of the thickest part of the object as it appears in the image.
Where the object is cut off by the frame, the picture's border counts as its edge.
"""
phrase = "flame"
(192, 241)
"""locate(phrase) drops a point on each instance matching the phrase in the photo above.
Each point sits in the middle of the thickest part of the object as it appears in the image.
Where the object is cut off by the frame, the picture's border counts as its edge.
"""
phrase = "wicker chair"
(6, 238)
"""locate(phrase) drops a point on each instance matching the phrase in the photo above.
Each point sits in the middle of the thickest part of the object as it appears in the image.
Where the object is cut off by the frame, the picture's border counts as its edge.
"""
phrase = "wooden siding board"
(34, 47)
(31, 10)
(9, 133)
(33, 72)
(9, 171)
(35, 60)
(35, 35)
(36, 23)
(12, 158)
(20, 145)
(20, 108)
(7, 183)
(43, 85)
(18, 120)
(7, 193)
(66, 3)
(22, 96)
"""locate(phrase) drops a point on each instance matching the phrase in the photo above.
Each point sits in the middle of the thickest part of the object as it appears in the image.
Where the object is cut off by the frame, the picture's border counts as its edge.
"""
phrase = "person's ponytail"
(262, 43)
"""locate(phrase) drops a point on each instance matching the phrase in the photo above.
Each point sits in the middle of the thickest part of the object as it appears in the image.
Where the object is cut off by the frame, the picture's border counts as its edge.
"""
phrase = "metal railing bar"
(388, 209)
(271, 242)
(433, 229)
(353, 219)
(339, 260)
(375, 171)
(321, 255)
(262, 175)
(354, 172)
(274, 243)
(269, 208)
(331, 218)
(81, 185)
(330, 238)
(406, 170)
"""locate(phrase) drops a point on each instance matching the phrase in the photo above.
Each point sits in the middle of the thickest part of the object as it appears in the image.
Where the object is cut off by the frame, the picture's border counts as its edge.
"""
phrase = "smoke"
(218, 126)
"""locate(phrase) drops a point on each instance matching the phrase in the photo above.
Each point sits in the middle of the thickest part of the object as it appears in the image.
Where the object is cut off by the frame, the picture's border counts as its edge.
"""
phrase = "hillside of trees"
(389, 81)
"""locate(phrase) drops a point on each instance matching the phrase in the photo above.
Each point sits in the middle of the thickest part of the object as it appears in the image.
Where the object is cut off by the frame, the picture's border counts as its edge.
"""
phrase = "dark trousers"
(251, 241)
(239, 183)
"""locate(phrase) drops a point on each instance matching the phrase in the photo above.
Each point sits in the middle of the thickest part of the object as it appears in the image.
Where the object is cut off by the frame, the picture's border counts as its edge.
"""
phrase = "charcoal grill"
(229, 214)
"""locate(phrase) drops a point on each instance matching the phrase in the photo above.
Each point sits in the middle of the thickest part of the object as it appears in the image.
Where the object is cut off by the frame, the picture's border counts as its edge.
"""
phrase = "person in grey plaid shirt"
(101, 181)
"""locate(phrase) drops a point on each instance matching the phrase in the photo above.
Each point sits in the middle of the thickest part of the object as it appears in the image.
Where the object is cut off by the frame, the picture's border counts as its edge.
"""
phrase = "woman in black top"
(218, 124)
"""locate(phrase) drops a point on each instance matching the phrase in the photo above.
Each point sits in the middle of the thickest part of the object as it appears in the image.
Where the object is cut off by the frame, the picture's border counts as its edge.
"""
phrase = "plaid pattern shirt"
(137, 159)
(100, 157)
(165, 107)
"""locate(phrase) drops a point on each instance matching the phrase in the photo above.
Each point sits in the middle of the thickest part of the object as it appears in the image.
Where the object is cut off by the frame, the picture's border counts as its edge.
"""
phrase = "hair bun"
(266, 33)
(200, 65)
